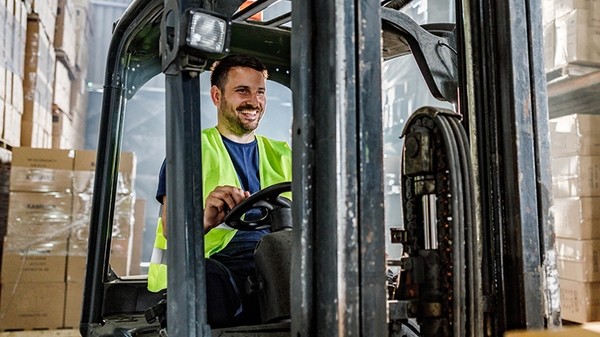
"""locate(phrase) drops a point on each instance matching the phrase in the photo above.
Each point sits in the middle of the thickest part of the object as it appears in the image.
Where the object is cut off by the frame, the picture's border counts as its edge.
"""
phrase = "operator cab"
(118, 305)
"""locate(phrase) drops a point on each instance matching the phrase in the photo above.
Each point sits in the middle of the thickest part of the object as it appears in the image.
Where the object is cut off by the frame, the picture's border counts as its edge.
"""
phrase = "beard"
(234, 120)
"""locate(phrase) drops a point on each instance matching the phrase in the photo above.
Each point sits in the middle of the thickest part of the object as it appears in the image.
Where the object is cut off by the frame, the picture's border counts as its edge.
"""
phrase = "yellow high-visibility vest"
(275, 166)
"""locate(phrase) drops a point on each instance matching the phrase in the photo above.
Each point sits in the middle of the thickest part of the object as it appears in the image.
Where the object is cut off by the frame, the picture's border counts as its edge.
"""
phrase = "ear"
(215, 95)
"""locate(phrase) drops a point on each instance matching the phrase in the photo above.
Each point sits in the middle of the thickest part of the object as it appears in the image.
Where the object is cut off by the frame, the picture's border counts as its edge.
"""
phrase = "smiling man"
(235, 163)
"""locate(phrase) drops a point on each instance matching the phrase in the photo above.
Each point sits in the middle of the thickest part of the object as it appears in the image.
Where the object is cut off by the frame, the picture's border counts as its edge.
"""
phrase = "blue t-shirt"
(245, 162)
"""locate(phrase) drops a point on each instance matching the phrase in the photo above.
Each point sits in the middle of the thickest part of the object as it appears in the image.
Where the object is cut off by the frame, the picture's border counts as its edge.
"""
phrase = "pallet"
(569, 71)
(42, 333)
(5, 145)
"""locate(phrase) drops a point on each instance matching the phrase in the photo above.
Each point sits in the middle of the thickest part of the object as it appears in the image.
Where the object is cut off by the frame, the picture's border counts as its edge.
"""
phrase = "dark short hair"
(220, 69)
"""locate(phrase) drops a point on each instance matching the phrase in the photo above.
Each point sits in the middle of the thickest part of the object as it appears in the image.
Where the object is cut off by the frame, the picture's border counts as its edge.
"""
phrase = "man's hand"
(219, 202)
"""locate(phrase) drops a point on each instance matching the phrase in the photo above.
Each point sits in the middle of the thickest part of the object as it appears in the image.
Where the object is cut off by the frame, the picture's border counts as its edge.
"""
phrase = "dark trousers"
(226, 274)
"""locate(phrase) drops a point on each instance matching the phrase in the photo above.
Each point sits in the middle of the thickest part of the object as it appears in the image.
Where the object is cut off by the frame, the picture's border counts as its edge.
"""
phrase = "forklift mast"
(489, 65)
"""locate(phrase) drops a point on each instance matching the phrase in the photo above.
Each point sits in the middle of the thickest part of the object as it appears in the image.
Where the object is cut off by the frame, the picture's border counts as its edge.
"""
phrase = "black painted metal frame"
(107, 161)
(506, 105)
(338, 246)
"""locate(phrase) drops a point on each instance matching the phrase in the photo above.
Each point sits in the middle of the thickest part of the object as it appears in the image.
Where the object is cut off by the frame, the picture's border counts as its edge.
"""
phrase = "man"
(235, 163)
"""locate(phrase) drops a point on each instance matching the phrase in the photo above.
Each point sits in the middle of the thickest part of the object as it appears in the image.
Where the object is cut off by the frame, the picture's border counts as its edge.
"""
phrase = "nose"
(254, 99)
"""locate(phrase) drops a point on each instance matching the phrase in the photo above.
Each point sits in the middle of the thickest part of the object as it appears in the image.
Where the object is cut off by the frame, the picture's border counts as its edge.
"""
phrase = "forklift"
(479, 256)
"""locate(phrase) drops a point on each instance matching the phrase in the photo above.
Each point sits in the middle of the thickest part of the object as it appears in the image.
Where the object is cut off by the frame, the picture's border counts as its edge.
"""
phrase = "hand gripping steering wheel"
(268, 200)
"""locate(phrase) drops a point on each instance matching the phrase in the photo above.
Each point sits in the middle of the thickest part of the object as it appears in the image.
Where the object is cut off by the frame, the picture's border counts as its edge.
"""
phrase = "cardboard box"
(62, 88)
(19, 29)
(17, 93)
(12, 126)
(9, 40)
(76, 267)
(84, 34)
(8, 85)
(3, 30)
(575, 135)
(41, 170)
(577, 218)
(39, 52)
(48, 159)
(577, 41)
(73, 304)
(2, 107)
(77, 258)
(576, 176)
(2, 71)
(575, 330)
(64, 33)
(68, 130)
(39, 214)
(137, 236)
(25, 261)
(33, 135)
(122, 219)
(38, 84)
(578, 259)
(548, 11)
(85, 167)
(595, 10)
(580, 302)
(63, 134)
(45, 11)
(79, 94)
(549, 44)
(32, 305)
(563, 7)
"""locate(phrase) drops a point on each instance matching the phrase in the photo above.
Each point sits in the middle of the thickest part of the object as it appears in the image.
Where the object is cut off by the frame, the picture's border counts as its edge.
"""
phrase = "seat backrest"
(273, 257)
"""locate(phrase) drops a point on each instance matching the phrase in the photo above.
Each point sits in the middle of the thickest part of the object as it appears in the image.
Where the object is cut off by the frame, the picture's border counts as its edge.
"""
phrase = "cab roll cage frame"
(332, 64)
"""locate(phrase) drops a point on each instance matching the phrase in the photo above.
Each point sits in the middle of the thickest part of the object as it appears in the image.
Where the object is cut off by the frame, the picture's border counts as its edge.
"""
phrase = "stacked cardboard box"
(43, 65)
(35, 246)
(12, 43)
(83, 27)
(73, 31)
(65, 33)
(45, 248)
(53, 96)
(123, 221)
(5, 160)
(571, 32)
(575, 148)
(38, 86)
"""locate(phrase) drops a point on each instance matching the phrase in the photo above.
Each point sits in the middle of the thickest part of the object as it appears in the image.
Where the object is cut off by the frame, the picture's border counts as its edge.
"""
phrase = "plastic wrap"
(578, 260)
(122, 221)
(576, 176)
(577, 217)
(46, 246)
(575, 135)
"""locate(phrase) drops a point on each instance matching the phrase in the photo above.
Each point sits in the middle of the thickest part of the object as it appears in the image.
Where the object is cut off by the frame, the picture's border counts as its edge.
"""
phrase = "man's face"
(241, 104)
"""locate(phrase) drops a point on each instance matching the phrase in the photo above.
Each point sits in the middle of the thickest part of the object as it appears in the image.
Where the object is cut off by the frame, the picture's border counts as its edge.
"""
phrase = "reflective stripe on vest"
(157, 271)
(275, 166)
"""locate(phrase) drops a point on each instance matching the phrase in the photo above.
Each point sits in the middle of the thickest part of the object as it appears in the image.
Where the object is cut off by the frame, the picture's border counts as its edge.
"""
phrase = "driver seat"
(273, 259)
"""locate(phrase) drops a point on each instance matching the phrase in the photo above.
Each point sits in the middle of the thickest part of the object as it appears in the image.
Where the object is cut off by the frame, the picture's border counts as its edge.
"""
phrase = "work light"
(207, 34)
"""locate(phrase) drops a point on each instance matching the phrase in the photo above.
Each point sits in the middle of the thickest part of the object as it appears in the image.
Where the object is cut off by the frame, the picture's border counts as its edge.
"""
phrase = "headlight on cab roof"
(207, 32)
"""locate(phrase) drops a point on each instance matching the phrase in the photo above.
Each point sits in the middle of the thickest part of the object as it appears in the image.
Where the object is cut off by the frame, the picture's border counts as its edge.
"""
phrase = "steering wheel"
(267, 199)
